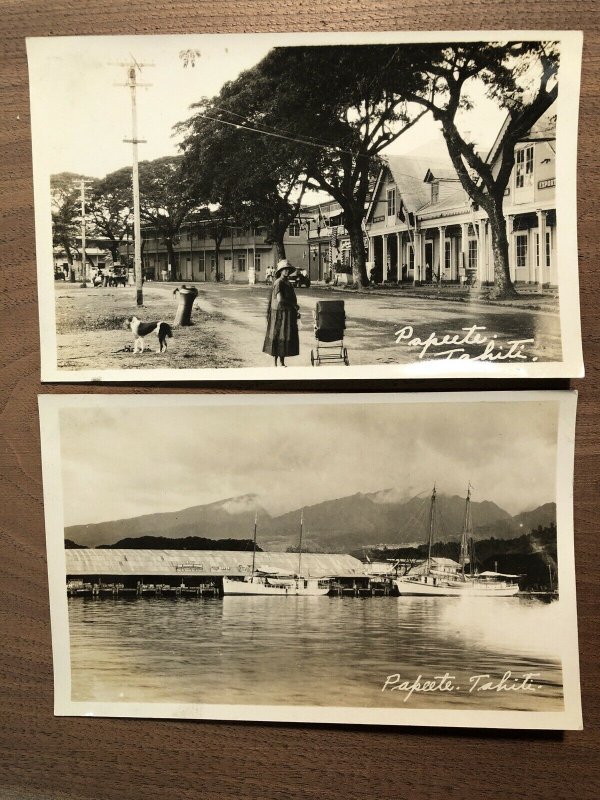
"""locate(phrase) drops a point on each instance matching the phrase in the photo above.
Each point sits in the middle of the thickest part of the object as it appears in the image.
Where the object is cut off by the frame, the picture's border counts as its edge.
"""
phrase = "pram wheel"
(346, 359)
(312, 358)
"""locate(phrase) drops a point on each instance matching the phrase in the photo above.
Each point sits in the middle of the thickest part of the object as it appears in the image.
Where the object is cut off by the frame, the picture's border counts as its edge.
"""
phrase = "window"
(411, 257)
(294, 229)
(522, 250)
(548, 249)
(201, 257)
(257, 262)
(447, 255)
(524, 167)
(241, 265)
(537, 249)
(391, 202)
(472, 253)
(435, 192)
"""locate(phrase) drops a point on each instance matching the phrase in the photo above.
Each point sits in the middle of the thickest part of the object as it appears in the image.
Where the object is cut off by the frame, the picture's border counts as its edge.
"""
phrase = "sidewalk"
(529, 298)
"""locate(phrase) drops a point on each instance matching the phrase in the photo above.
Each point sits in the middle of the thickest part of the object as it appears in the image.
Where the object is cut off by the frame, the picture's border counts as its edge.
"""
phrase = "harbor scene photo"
(286, 558)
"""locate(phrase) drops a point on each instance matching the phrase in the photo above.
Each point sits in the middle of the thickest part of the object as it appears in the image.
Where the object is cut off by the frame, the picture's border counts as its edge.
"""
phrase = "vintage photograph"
(262, 205)
(377, 559)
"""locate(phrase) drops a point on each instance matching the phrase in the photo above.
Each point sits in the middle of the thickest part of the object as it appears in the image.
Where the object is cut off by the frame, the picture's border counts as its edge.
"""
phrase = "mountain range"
(337, 525)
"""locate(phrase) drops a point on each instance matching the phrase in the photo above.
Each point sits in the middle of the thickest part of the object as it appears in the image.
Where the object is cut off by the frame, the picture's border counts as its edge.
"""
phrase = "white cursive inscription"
(447, 683)
(454, 345)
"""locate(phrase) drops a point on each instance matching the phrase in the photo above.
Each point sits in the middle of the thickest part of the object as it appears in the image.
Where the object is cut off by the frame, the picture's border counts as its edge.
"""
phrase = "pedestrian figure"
(281, 339)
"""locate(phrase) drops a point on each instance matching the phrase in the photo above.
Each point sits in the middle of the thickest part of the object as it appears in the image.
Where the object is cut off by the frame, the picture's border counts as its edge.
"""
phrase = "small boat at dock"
(269, 582)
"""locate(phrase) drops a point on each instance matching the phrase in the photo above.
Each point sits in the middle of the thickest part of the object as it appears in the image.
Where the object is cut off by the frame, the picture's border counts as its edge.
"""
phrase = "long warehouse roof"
(206, 562)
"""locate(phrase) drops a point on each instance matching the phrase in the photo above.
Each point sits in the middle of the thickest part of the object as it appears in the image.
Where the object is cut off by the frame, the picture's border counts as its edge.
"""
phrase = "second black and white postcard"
(378, 559)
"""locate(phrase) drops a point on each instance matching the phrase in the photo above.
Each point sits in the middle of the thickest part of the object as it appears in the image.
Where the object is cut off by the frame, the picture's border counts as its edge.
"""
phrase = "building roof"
(439, 173)
(457, 200)
(409, 174)
(107, 561)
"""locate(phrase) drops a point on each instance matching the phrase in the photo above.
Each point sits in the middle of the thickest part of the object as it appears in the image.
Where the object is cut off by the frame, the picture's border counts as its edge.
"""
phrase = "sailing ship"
(436, 579)
(274, 582)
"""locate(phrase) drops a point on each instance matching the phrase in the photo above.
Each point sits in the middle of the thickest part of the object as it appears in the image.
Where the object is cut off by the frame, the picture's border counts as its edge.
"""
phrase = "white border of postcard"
(568, 719)
(571, 365)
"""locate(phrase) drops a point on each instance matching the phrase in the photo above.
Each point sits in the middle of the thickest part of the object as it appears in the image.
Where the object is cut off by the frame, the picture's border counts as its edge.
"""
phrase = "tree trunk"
(357, 245)
(503, 285)
(170, 258)
(279, 247)
(217, 254)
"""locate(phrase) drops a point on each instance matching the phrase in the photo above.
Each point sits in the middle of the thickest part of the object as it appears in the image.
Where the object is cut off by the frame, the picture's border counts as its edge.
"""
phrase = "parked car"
(299, 278)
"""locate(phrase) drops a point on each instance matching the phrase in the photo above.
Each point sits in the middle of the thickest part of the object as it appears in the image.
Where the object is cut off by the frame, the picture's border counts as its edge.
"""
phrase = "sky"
(85, 114)
(123, 461)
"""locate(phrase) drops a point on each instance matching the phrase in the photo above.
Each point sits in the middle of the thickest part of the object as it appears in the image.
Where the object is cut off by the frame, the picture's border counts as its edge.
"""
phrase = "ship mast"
(466, 532)
(254, 546)
(300, 542)
(431, 528)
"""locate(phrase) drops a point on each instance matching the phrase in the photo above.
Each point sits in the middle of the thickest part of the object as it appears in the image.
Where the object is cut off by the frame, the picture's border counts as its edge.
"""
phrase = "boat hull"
(289, 588)
(466, 589)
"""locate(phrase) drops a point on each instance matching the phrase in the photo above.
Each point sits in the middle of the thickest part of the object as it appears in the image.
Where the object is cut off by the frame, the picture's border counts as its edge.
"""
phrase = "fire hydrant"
(187, 295)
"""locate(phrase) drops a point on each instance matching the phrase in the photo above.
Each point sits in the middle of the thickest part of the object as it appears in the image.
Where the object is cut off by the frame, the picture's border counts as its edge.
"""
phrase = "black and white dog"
(140, 329)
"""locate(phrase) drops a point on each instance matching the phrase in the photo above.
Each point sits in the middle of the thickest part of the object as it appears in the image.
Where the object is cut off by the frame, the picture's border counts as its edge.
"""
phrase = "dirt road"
(229, 327)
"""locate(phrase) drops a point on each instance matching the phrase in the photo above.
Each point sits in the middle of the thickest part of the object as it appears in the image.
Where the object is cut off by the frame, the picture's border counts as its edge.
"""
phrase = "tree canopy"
(323, 114)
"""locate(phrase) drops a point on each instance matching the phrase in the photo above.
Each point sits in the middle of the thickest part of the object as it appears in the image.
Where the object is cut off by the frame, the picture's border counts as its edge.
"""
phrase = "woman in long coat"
(281, 339)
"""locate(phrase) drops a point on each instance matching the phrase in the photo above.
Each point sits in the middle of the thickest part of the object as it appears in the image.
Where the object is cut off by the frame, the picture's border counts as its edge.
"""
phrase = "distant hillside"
(226, 519)
(337, 525)
(189, 543)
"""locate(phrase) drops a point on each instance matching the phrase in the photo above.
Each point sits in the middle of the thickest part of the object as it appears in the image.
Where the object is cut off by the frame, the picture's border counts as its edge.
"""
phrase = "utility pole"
(83, 262)
(133, 85)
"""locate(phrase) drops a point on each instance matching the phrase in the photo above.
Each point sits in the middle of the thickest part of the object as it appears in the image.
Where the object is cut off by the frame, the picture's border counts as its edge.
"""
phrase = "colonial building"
(98, 257)
(244, 254)
(424, 228)
(329, 243)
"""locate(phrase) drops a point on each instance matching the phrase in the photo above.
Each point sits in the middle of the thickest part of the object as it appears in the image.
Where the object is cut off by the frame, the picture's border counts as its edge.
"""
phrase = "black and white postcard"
(301, 206)
(377, 559)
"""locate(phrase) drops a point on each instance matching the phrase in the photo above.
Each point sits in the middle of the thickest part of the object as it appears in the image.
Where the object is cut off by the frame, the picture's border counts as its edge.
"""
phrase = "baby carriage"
(330, 321)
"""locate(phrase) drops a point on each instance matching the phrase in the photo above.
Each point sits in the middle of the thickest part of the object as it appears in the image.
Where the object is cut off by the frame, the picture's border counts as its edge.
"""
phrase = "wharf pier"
(83, 589)
(107, 572)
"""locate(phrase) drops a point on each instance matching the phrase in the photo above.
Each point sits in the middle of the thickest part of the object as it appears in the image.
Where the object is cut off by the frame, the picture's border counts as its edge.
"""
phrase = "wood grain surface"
(48, 758)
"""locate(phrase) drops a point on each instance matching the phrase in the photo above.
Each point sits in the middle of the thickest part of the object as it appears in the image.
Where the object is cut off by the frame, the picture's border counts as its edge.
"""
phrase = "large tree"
(65, 204)
(260, 179)
(110, 206)
(165, 198)
(335, 108)
(521, 78)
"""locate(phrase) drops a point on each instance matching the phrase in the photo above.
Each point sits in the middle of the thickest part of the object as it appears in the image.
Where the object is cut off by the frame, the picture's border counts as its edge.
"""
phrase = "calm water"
(313, 650)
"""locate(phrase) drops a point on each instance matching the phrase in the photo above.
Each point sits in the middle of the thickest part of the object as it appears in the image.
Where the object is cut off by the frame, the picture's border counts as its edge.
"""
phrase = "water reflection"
(312, 650)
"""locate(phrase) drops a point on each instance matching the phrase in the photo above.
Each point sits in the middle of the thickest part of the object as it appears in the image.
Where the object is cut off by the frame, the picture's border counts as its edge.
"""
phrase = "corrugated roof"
(205, 562)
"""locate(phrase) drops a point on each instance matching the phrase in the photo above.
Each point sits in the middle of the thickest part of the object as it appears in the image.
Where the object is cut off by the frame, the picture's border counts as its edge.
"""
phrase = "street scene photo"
(339, 205)
(387, 559)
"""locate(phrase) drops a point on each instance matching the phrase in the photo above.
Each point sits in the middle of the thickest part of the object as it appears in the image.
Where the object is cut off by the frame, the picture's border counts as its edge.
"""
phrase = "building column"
(399, 255)
(512, 262)
(482, 266)
(541, 217)
(442, 264)
(464, 250)
(418, 247)
(384, 270)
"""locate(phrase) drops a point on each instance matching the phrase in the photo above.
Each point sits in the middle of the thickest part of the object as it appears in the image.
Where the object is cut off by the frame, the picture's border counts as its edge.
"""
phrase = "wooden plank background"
(48, 758)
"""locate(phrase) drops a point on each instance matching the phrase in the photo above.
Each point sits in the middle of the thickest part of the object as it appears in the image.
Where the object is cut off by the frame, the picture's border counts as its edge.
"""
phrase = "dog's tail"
(165, 331)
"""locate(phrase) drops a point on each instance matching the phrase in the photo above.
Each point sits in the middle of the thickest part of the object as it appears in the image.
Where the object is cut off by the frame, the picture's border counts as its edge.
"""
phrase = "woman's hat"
(283, 264)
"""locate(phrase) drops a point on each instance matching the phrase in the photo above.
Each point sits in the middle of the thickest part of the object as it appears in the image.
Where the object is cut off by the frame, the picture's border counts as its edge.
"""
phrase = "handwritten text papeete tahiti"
(447, 683)
(454, 346)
